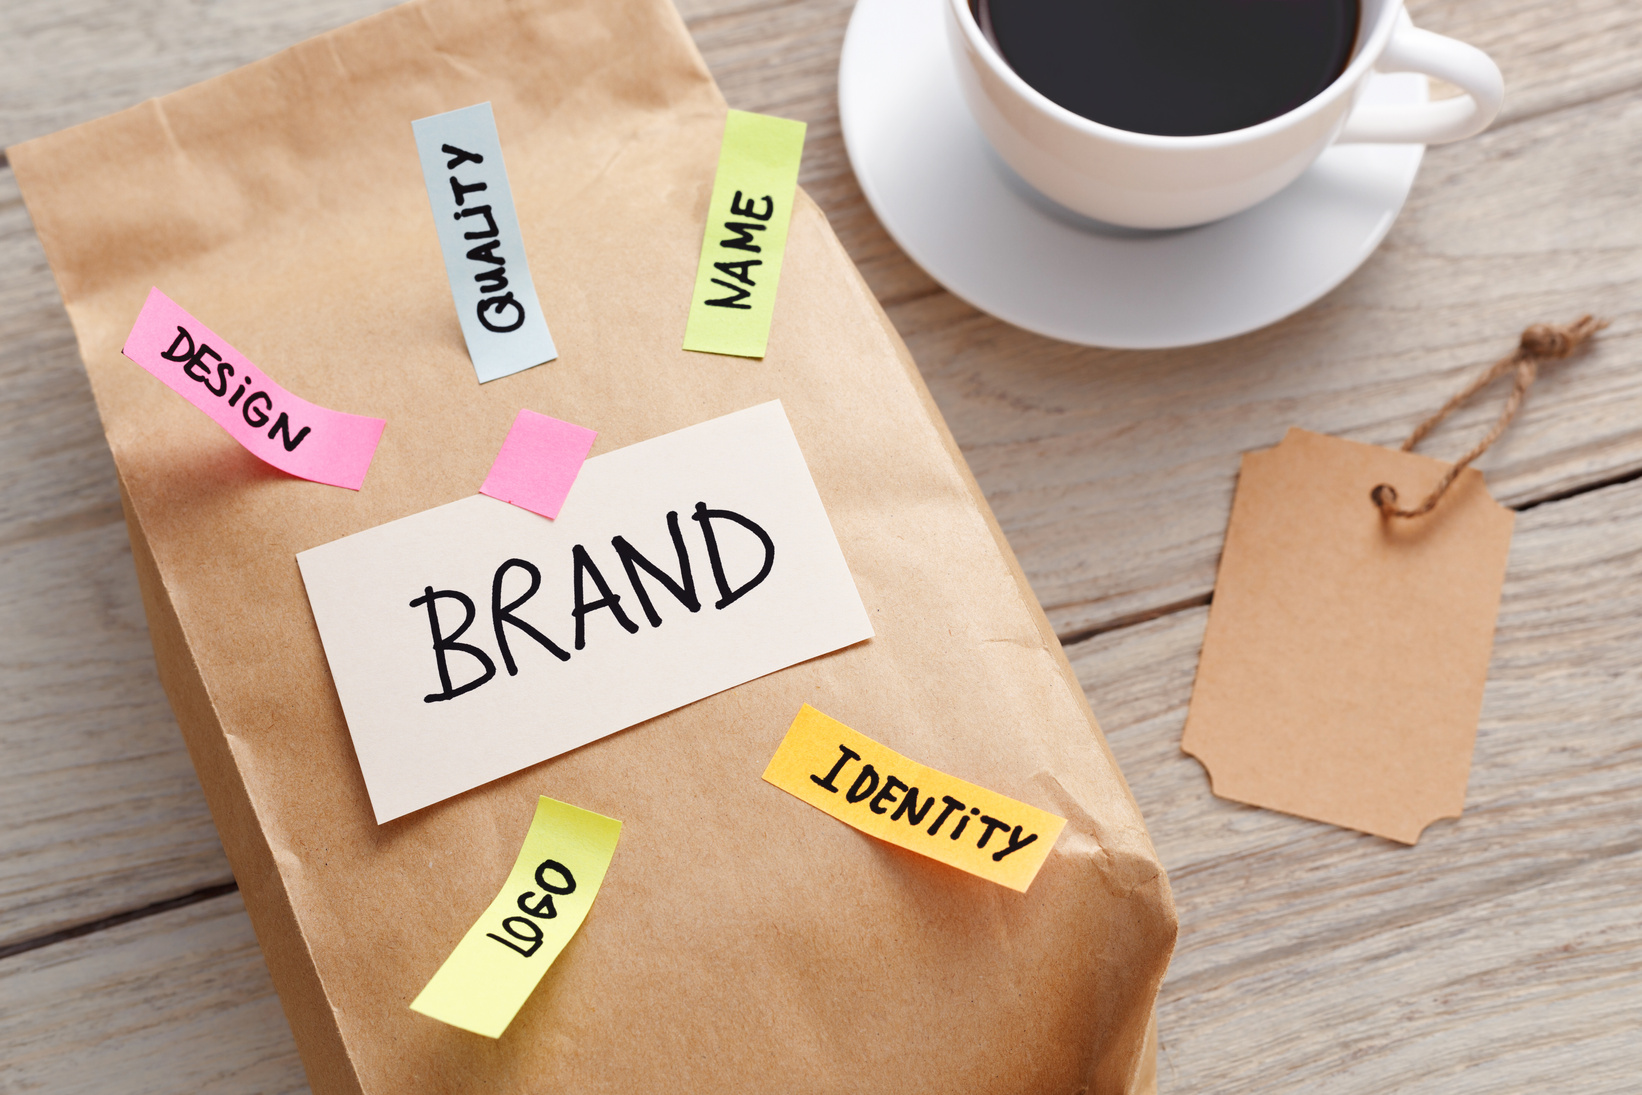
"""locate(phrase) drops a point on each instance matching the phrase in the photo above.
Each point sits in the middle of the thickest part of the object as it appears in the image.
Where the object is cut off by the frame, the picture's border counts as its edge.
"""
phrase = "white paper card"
(479, 234)
(765, 572)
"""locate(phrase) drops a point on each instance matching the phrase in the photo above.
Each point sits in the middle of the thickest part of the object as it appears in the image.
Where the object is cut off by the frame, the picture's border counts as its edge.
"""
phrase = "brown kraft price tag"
(1343, 668)
(1347, 648)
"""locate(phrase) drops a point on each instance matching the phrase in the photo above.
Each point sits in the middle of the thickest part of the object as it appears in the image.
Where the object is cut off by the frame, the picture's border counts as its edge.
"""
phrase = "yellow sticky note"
(495, 967)
(746, 235)
(883, 794)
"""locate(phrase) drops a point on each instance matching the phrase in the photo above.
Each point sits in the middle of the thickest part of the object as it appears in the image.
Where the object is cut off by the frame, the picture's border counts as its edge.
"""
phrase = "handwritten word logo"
(529, 931)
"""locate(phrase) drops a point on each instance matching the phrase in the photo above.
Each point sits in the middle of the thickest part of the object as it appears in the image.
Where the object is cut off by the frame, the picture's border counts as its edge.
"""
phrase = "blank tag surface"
(1343, 668)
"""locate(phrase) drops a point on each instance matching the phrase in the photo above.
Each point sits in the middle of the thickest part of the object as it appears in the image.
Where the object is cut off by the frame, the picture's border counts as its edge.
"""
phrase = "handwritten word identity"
(878, 791)
(496, 302)
(295, 436)
(864, 788)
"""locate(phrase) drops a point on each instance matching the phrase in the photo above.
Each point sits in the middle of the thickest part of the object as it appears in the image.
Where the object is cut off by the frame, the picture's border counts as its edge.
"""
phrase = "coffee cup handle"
(1415, 50)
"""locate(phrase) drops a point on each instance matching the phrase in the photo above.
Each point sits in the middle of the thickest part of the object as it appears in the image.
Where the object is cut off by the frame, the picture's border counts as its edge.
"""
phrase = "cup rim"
(1354, 72)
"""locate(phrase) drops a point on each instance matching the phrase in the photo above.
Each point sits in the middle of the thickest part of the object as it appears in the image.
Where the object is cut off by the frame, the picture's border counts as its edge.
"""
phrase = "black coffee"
(1174, 67)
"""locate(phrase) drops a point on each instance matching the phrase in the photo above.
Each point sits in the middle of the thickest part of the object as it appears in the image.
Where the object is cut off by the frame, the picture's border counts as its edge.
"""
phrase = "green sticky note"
(496, 966)
(746, 235)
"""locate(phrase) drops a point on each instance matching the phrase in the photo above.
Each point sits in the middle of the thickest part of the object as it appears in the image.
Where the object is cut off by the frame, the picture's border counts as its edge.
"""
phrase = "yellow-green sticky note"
(496, 966)
(746, 235)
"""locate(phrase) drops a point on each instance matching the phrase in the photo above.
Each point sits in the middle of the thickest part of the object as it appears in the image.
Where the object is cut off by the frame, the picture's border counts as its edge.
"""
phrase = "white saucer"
(982, 232)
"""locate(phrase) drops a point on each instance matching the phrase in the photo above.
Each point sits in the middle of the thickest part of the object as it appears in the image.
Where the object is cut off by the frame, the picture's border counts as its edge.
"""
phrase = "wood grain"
(1501, 953)
(1112, 472)
(69, 61)
(98, 803)
(179, 1002)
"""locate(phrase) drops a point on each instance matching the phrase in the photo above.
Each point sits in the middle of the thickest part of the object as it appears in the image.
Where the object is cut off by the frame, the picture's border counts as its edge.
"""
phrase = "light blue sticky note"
(479, 232)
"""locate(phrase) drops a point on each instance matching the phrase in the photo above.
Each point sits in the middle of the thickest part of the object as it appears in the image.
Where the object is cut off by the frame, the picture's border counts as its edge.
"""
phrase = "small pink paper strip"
(295, 436)
(539, 460)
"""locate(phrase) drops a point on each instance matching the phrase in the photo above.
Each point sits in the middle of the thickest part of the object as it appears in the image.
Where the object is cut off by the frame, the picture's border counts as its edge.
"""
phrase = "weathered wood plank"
(176, 1002)
(69, 61)
(1112, 472)
(1503, 952)
(1499, 954)
(98, 803)
(1553, 57)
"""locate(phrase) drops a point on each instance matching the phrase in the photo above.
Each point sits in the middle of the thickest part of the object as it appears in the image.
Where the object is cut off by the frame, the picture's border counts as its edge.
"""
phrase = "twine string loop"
(1541, 342)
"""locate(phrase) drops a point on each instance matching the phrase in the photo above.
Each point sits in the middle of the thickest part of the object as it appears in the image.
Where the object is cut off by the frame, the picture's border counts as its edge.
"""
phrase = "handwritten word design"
(476, 638)
(746, 236)
(295, 436)
(547, 895)
(479, 234)
(862, 783)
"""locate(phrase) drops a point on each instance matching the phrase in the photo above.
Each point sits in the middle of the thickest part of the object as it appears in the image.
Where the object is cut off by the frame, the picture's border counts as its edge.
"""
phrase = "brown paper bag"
(742, 941)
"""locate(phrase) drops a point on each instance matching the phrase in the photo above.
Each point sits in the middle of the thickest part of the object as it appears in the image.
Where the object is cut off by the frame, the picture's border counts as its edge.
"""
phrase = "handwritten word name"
(741, 241)
(585, 570)
(528, 931)
(866, 788)
(257, 408)
(493, 281)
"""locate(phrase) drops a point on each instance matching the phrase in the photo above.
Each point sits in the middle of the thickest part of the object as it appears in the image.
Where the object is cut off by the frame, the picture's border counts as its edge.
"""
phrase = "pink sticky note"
(538, 462)
(295, 436)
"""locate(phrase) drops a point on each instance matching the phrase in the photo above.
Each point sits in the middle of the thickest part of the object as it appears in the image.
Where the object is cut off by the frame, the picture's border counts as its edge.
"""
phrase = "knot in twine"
(1541, 342)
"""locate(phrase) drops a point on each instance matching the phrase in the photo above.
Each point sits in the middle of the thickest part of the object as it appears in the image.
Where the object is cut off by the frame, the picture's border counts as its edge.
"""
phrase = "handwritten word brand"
(295, 436)
(878, 791)
(585, 572)
(746, 235)
(477, 638)
(479, 236)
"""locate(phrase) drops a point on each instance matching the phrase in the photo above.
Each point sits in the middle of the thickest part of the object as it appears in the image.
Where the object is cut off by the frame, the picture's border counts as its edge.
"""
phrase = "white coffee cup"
(1146, 181)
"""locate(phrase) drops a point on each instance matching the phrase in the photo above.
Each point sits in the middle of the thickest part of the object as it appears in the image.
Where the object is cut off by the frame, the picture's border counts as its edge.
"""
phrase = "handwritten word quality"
(483, 247)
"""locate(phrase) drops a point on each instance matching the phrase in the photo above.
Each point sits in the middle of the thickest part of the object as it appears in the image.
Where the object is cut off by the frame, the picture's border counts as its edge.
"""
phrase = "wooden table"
(1503, 953)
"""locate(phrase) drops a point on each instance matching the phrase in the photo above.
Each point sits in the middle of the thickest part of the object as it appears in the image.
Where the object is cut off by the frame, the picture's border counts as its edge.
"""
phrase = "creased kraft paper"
(739, 945)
